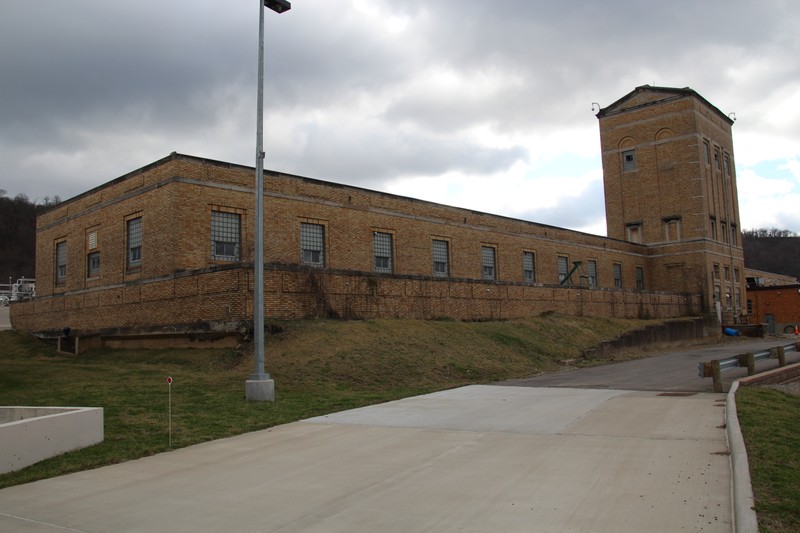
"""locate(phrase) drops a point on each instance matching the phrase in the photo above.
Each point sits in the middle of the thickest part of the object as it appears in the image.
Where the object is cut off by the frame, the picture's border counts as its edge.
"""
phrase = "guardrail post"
(716, 373)
(749, 360)
(781, 356)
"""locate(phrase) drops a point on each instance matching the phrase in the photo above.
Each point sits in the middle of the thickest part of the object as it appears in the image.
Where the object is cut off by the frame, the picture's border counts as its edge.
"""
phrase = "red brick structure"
(167, 249)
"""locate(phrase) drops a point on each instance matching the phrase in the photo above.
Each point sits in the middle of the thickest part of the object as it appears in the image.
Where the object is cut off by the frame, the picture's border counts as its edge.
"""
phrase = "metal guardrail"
(714, 368)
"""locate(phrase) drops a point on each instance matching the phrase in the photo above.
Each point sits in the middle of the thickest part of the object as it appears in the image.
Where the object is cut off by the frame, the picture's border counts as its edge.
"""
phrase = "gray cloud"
(91, 90)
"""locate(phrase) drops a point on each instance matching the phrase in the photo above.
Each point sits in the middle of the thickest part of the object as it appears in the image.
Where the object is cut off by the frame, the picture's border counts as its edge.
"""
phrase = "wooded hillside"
(771, 250)
(18, 235)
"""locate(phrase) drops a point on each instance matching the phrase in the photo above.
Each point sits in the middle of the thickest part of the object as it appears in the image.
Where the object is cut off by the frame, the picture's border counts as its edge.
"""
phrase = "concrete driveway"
(479, 458)
(482, 458)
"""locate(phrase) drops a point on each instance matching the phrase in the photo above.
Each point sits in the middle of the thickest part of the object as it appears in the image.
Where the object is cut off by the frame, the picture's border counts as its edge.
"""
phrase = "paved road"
(476, 459)
(676, 371)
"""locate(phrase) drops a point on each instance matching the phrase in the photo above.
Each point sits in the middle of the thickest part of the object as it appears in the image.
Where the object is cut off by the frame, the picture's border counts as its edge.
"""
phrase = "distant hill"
(779, 255)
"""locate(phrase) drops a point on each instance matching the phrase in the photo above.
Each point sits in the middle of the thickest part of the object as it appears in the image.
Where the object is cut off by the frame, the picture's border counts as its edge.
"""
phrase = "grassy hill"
(318, 366)
(324, 366)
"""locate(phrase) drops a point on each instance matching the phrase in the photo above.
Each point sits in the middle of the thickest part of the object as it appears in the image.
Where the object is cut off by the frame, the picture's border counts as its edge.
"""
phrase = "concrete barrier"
(31, 434)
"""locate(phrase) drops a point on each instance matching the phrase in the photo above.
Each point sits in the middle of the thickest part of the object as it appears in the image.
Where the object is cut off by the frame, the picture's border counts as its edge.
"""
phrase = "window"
(93, 265)
(716, 271)
(727, 161)
(734, 232)
(716, 158)
(563, 268)
(61, 263)
(707, 149)
(628, 160)
(724, 230)
(736, 275)
(738, 299)
(312, 244)
(134, 242)
(225, 236)
(717, 294)
(672, 229)
(529, 266)
(640, 278)
(592, 265)
(441, 254)
(488, 262)
(727, 273)
(634, 233)
(382, 251)
(618, 275)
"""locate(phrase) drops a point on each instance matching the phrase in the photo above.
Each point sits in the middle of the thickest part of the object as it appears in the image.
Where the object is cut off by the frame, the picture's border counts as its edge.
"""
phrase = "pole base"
(261, 390)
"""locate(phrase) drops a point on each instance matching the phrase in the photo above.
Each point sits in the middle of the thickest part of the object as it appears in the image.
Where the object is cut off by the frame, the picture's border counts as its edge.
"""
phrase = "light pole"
(259, 387)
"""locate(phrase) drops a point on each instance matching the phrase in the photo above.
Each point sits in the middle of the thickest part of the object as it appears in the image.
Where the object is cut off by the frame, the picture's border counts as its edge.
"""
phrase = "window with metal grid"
(225, 236)
(529, 266)
(488, 262)
(61, 263)
(312, 244)
(592, 266)
(640, 277)
(93, 265)
(441, 261)
(382, 250)
(135, 242)
(618, 275)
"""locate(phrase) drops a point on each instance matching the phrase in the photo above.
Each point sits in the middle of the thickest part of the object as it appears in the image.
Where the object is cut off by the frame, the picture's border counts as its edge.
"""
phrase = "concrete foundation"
(262, 390)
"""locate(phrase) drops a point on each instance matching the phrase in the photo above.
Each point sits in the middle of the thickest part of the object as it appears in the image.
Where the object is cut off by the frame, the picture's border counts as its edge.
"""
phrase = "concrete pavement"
(479, 458)
(675, 371)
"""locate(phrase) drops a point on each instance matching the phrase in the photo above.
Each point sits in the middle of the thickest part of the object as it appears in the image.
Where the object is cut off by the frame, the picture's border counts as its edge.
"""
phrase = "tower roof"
(646, 95)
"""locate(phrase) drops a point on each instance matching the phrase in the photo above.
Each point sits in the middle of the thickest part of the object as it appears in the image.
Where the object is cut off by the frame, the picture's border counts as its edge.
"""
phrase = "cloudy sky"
(484, 105)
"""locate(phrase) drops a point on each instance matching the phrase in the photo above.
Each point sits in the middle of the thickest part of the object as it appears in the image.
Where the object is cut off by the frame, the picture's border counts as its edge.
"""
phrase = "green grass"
(770, 421)
(319, 367)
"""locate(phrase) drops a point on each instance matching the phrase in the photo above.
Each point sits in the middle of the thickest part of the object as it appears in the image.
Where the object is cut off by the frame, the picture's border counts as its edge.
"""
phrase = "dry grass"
(319, 367)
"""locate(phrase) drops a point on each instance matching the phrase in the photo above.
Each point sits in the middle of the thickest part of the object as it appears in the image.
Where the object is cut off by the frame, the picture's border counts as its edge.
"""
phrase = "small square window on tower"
(629, 160)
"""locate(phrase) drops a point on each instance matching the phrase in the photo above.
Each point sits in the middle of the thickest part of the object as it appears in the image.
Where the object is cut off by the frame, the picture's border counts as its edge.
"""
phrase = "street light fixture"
(259, 387)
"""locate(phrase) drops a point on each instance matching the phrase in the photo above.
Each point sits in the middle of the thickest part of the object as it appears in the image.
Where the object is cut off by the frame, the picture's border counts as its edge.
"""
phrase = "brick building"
(167, 249)
(773, 300)
(670, 183)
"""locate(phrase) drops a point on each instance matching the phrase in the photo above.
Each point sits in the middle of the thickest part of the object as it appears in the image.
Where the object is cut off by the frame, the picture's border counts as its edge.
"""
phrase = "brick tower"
(670, 184)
